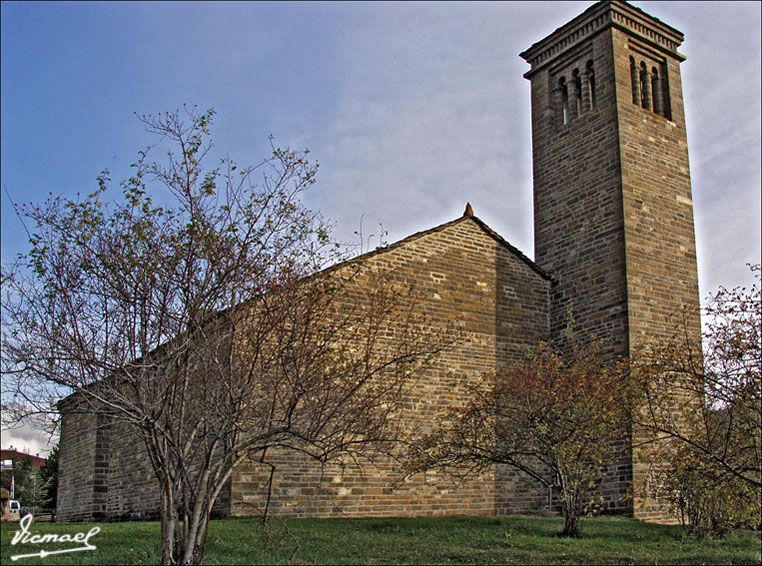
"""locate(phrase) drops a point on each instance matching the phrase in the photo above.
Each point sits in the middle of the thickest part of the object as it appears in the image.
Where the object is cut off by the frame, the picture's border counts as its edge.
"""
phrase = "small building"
(10, 456)
(9, 461)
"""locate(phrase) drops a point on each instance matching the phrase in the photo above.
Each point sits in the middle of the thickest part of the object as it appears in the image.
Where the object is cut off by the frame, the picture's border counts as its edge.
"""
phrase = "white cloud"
(434, 112)
(28, 437)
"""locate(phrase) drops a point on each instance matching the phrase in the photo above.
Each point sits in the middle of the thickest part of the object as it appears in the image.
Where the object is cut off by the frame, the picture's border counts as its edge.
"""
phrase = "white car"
(14, 507)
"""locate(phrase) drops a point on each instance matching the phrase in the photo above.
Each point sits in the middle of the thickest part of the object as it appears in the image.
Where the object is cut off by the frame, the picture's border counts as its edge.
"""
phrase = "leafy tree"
(195, 309)
(48, 480)
(703, 410)
(560, 417)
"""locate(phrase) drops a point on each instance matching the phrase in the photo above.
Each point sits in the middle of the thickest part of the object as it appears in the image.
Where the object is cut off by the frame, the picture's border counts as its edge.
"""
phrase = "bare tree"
(204, 317)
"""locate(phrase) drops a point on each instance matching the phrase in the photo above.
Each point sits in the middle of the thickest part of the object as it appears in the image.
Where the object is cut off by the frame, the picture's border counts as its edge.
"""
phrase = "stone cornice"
(600, 16)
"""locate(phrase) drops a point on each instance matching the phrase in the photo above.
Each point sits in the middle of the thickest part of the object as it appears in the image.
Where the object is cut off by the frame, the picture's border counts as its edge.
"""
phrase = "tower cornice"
(601, 16)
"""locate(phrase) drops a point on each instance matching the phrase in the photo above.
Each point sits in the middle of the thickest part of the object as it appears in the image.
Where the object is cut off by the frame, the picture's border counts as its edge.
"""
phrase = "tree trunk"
(170, 530)
(194, 536)
(571, 514)
(571, 523)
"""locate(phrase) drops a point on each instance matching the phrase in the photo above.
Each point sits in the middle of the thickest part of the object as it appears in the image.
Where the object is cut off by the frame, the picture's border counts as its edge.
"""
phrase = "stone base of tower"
(649, 502)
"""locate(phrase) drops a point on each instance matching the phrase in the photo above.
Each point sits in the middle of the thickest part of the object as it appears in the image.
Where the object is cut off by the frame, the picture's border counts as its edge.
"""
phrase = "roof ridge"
(479, 222)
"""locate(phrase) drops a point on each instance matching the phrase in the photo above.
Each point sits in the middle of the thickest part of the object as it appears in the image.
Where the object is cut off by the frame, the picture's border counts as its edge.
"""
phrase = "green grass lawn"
(457, 540)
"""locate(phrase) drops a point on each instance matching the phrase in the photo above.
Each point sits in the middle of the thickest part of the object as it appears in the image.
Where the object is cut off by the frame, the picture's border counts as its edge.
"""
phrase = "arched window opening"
(656, 91)
(645, 87)
(564, 100)
(650, 86)
(666, 109)
(635, 79)
(590, 83)
(576, 93)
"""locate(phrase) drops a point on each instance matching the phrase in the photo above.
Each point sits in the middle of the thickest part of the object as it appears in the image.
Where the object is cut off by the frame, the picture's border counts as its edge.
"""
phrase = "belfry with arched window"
(650, 89)
(574, 92)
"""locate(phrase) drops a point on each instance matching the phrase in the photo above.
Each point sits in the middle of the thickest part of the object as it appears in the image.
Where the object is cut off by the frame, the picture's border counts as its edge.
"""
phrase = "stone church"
(614, 242)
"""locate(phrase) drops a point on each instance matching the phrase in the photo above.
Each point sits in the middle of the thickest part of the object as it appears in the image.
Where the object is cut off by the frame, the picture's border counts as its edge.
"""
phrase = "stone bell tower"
(613, 215)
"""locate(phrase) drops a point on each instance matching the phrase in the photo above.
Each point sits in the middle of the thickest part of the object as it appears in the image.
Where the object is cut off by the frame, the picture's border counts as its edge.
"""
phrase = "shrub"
(707, 501)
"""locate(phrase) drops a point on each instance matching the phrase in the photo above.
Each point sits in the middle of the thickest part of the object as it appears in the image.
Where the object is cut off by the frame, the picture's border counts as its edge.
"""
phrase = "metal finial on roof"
(469, 211)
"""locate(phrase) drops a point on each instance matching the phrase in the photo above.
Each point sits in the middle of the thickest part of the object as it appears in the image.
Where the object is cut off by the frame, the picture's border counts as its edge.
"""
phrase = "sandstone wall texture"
(499, 299)
(77, 464)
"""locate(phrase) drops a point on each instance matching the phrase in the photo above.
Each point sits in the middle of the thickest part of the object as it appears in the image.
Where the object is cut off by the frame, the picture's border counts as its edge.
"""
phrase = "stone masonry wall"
(105, 473)
(133, 488)
(83, 465)
(578, 222)
(662, 279)
(500, 303)
(75, 462)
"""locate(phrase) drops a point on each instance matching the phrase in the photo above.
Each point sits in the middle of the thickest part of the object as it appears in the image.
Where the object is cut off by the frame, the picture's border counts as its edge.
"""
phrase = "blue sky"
(411, 109)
